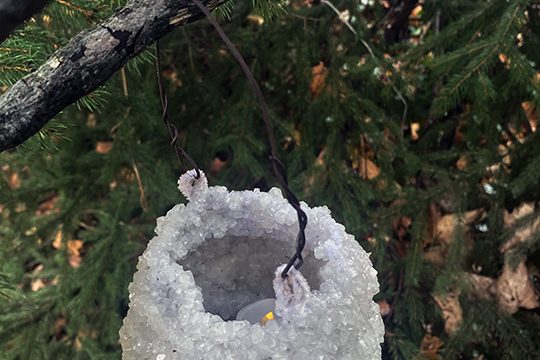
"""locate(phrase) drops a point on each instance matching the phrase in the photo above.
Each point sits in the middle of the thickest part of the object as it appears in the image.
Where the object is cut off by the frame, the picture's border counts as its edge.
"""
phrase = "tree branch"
(86, 63)
(15, 12)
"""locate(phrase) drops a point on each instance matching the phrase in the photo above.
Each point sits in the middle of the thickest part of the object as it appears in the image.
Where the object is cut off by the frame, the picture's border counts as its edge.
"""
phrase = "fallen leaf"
(172, 75)
(37, 284)
(459, 135)
(503, 58)
(451, 309)
(514, 289)
(530, 112)
(74, 250)
(57, 242)
(60, 328)
(293, 140)
(46, 20)
(435, 255)
(415, 131)
(429, 347)
(256, 19)
(320, 158)
(384, 307)
(318, 79)
(444, 230)
(39, 268)
(103, 147)
(481, 286)
(462, 163)
(416, 12)
(401, 226)
(521, 234)
(345, 16)
(370, 239)
(20, 207)
(91, 120)
(368, 169)
(14, 181)
(434, 216)
(31, 231)
(78, 344)
(48, 206)
(523, 210)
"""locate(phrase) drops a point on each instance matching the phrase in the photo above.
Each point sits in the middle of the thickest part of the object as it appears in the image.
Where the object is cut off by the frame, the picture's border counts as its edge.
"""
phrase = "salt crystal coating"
(189, 184)
(218, 254)
(291, 291)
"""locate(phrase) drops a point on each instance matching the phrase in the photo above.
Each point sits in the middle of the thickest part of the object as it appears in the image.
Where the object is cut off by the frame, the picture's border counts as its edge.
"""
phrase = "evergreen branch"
(86, 63)
(451, 58)
(368, 48)
(69, 5)
(447, 36)
(5, 286)
(15, 12)
(454, 91)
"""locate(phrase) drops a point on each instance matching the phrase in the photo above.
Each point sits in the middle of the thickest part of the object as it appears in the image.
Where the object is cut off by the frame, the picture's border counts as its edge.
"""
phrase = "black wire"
(173, 131)
(279, 168)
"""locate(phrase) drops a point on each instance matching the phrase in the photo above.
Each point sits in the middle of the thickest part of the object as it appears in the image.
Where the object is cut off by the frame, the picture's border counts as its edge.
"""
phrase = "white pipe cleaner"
(290, 291)
(189, 185)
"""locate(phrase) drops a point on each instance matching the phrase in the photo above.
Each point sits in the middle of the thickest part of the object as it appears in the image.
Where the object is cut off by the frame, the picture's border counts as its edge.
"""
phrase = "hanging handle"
(279, 168)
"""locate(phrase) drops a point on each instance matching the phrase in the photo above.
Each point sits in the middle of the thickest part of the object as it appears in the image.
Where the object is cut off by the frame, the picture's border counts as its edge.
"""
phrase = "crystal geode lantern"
(218, 258)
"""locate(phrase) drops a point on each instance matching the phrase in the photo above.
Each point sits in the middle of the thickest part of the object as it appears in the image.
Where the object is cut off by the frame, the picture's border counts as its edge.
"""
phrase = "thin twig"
(123, 77)
(305, 18)
(363, 157)
(142, 196)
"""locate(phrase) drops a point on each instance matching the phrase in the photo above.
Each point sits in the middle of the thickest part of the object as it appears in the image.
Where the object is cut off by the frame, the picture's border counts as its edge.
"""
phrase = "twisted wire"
(279, 169)
(173, 131)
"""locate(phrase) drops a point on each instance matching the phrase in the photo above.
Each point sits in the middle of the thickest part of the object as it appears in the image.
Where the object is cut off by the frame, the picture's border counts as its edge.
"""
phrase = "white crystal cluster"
(219, 253)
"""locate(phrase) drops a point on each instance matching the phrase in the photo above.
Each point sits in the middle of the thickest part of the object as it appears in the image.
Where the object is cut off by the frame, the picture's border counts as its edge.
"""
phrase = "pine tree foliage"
(429, 195)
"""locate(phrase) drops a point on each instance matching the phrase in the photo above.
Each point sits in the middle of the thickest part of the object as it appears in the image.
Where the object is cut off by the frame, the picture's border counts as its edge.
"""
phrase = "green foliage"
(268, 9)
(493, 333)
(103, 170)
(5, 287)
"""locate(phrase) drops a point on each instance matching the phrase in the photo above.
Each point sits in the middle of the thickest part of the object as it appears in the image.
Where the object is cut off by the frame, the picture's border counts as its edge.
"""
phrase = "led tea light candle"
(204, 284)
(259, 312)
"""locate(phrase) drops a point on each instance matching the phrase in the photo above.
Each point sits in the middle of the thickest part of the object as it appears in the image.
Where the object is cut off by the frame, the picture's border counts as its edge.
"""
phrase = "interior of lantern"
(233, 272)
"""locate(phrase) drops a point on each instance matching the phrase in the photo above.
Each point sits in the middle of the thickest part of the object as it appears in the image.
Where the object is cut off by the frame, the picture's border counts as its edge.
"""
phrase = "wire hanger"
(279, 168)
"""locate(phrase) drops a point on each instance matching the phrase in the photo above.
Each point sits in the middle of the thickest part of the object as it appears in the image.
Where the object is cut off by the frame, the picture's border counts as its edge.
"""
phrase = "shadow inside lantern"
(233, 272)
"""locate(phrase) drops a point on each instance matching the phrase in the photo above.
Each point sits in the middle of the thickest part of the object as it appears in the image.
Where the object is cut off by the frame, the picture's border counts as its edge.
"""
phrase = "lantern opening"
(233, 271)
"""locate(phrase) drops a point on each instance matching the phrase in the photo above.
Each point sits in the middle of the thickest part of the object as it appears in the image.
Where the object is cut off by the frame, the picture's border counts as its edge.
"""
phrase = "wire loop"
(279, 169)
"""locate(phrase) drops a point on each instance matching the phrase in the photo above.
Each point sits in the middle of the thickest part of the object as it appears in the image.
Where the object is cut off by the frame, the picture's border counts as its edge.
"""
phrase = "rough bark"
(15, 12)
(86, 63)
